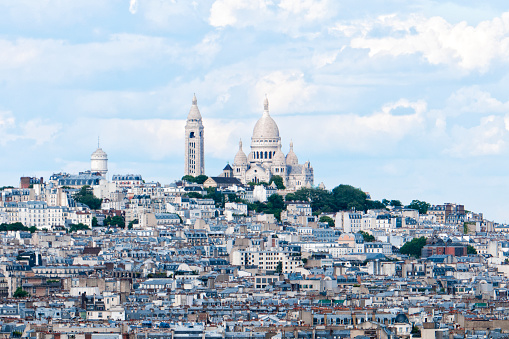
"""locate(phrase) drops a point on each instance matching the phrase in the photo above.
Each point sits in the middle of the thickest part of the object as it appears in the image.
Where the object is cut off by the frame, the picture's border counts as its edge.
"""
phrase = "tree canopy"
(342, 197)
(367, 237)
(78, 227)
(200, 179)
(131, 223)
(116, 221)
(328, 220)
(86, 196)
(274, 205)
(19, 293)
(421, 206)
(471, 250)
(278, 180)
(17, 226)
(413, 247)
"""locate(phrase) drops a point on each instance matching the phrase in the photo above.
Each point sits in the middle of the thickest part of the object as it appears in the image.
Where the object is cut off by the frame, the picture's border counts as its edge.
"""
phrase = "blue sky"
(404, 99)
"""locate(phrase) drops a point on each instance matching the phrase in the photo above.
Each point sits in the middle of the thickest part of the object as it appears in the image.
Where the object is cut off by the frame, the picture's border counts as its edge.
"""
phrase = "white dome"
(99, 154)
(194, 112)
(279, 159)
(240, 158)
(291, 157)
(266, 127)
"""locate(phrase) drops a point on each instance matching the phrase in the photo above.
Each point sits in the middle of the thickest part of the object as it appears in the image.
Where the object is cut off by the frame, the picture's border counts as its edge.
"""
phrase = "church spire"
(266, 103)
(195, 101)
(240, 145)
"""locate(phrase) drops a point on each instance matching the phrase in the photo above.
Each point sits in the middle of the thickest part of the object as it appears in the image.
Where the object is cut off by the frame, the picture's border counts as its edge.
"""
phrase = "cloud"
(287, 16)
(40, 131)
(133, 6)
(57, 61)
(488, 138)
(438, 41)
(287, 91)
(37, 130)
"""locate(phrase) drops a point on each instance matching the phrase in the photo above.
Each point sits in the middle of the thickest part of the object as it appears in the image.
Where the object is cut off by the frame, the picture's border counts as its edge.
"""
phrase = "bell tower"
(194, 142)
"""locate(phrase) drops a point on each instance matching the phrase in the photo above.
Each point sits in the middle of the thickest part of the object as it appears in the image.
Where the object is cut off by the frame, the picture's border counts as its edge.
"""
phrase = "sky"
(403, 99)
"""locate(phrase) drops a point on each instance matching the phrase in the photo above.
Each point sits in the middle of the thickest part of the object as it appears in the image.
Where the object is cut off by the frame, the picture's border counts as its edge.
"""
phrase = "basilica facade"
(266, 158)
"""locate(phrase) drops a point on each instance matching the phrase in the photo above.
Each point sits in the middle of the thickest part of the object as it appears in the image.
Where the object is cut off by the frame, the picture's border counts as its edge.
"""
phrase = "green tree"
(279, 267)
(395, 203)
(276, 201)
(17, 226)
(367, 237)
(413, 247)
(471, 250)
(131, 223)
(77, 227)
(117, 221)
(416, 332)
(195, 195)
(328, 220)
(421, 206)
(214, 194)
(278, 180)
(94, 222)
(275, 205)
(188, 178)
(375, 205)
(200, 179)
(19, 293)
(347, 197)
(86, 196)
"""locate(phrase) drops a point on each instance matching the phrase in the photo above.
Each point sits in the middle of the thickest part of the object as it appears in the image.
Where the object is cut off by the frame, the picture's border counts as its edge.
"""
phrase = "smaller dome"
(194, 112)
(99, 154)
(401, 318)
(291, 157)
(279, 159)
(240, 157)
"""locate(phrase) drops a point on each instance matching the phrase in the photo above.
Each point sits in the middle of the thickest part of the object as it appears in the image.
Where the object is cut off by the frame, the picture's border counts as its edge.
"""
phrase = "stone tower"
(99, 161)
(194, 142)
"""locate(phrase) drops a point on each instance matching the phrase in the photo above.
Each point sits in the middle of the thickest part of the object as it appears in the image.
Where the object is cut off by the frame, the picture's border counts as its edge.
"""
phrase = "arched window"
(270, 155)
(191, 135)
(265, 154)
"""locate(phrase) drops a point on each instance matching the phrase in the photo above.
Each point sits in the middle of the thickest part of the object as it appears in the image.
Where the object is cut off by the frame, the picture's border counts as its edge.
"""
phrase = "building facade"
(99, 162)
(194, 142)
(266, 158)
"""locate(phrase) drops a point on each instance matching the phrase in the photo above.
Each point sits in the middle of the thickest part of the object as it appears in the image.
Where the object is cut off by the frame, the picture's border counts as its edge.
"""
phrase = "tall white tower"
(194, 142)
(99, 161)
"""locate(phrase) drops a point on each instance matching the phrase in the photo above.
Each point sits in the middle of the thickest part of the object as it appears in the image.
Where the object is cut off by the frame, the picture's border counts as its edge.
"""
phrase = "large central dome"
(266, 127)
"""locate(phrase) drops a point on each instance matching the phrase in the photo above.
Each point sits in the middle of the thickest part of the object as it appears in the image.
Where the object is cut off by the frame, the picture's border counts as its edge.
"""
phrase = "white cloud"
(27, 60)
(473, 99)
(133, 6)
(287, 91)
(488, 138)
(40, 131)
(438, 41)
(287, 16)
(6, 120)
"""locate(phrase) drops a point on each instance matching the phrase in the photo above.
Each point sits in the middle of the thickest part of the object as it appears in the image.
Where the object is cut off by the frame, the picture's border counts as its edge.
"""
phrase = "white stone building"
(194, 142)
(266, 158)
(99, 162)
